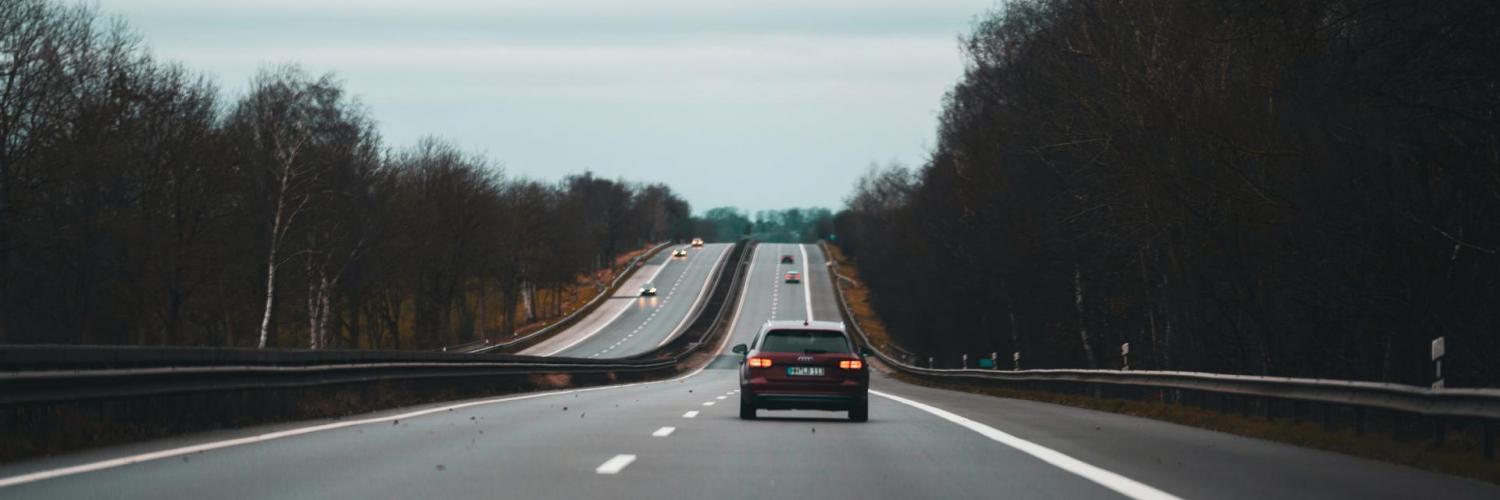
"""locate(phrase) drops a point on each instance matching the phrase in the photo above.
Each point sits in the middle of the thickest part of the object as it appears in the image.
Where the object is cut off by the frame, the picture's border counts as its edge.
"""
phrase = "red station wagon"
(800, 365)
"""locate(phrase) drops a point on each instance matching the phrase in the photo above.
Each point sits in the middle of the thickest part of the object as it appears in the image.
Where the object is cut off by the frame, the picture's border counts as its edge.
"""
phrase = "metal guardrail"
(464, 347)
(43, 374)
(1482, 404)
(574, 316)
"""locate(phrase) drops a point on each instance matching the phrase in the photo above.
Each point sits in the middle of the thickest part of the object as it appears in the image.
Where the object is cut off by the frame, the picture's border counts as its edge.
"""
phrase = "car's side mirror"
(740, 349)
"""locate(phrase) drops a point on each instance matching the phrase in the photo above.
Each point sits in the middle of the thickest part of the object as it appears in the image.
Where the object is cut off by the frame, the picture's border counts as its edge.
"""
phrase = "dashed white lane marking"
(612, 319)
(690, 414)
(702, 294)
(721, 397)
(663, 432)
(710, 403)
(615, 465)
(1120, 484)
(258, 438)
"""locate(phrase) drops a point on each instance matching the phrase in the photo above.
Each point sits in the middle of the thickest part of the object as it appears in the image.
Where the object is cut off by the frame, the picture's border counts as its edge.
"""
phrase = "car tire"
(860, 412)
(747, 407)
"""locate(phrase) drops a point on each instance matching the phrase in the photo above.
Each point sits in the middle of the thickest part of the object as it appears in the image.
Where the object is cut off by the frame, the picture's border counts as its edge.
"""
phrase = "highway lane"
(616, 443)
(629, 324)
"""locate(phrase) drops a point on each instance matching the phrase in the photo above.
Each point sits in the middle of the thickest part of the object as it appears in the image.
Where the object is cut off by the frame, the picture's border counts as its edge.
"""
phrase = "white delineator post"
(994, 361)
(1438, 350)
(1125, 353)
(1016, 358)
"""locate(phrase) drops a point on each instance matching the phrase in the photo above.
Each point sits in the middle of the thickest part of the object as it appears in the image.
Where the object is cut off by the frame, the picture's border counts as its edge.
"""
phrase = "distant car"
(697, 242)
(793, 277)
(800, 365)
(681, 252)
(648, 290)
(786, 259)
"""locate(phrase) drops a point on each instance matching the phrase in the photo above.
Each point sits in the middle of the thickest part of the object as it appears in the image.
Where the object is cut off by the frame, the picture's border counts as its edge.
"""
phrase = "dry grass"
(1459, 455)
(583, 290)
(860, 300)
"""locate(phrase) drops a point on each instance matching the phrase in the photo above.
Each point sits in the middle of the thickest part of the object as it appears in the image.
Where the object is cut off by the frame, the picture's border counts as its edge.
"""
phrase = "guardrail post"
(1270, 407)
(1327, 416)
(1359, 421)
(1438, 350)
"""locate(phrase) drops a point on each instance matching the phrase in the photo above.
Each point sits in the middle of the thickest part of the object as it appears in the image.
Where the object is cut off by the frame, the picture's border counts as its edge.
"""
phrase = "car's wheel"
(860, 412)
(747, 407)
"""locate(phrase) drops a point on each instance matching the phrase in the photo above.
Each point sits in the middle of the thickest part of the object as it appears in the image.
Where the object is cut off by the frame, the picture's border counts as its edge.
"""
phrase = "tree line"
(1286, 187)
(138, 206)
(785, 225)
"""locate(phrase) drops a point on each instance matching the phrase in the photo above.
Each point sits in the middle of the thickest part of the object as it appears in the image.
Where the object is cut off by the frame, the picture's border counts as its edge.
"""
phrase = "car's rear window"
(804, 341)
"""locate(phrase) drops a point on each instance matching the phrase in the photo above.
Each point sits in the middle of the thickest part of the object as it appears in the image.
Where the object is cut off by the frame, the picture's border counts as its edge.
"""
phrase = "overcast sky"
(751, 103)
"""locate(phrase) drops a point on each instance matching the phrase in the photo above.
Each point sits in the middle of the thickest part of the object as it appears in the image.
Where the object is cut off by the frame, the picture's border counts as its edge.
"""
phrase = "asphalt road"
(628, 324)
(682, 439)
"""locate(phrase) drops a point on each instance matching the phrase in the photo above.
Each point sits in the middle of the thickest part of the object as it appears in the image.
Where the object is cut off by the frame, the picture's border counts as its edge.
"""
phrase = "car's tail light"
(852, 364)
(760, 362)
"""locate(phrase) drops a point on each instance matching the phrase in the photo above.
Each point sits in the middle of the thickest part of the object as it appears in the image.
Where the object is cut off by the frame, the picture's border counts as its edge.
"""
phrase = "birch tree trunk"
(1083, 329)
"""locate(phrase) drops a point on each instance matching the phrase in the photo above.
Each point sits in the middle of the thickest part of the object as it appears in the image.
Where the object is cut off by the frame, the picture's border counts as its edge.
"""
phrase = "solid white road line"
(1120, 484)
(615, 465)
(663, 432)
(734, 321)
(702, 294)
(612, 319)
(806, 279)
(186, 450)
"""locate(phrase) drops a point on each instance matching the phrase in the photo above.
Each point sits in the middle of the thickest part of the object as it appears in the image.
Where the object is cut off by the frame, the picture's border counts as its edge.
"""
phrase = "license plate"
(804, 371)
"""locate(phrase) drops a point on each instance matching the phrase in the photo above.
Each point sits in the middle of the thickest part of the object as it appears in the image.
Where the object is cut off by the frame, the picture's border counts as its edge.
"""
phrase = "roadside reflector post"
(1125, 354)
(1438, 349)
(929, 362)
(994, 361)
(1016, 358)
(965, 362)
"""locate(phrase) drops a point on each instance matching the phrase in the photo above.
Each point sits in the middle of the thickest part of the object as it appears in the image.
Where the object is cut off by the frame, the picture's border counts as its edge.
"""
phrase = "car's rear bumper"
(778, 396)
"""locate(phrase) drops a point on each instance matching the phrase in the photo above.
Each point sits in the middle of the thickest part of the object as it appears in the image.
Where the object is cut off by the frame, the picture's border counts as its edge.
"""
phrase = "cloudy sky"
(751, 103)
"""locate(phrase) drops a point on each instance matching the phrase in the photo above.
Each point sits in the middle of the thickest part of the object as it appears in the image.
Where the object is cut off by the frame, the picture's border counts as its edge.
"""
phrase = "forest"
(1292, 188)
(789, 225)
(140, 206)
